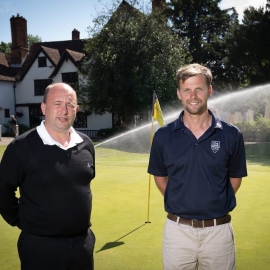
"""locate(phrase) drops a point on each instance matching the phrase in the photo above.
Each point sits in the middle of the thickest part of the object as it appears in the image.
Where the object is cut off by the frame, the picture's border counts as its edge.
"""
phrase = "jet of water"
(138, 139)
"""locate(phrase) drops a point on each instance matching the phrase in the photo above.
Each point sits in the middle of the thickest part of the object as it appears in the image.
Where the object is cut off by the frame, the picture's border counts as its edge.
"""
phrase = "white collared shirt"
(75, 138)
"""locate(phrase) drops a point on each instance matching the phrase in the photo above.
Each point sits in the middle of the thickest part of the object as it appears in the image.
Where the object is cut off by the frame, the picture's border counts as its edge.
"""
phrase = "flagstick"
(149, 185)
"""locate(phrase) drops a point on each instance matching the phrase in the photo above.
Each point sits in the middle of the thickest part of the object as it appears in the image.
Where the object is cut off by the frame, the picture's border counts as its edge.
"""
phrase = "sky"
(54, 20)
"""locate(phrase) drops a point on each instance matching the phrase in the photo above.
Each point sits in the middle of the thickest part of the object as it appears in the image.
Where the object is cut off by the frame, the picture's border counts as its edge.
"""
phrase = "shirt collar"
(178, 123)
(216, 122)
(75, 138)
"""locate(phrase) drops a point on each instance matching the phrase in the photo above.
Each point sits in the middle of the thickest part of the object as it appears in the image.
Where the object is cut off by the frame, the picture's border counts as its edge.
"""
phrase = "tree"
(33, 39)
(203, 26)
(128, 59)
(248, 47)
(5, 47)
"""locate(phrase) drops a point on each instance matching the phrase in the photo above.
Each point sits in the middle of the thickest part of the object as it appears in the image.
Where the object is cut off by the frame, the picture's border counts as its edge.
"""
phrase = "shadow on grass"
(116, 243)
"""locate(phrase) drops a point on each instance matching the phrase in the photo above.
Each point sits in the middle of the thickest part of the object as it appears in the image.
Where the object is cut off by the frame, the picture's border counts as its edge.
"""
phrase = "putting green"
(120, 209)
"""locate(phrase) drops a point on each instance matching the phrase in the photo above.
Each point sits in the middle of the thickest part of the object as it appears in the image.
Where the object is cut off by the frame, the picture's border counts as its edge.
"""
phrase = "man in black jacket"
(53, 166)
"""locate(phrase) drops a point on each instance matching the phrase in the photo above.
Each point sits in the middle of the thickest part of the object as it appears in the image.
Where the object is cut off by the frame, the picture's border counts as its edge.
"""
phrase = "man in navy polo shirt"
(198, 162)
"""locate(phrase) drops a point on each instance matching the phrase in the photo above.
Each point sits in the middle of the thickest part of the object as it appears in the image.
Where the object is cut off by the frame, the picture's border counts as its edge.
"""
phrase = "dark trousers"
(56, 253)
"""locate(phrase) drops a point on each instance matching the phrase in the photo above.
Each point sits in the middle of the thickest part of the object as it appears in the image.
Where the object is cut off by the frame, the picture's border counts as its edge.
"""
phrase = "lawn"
(120, 210)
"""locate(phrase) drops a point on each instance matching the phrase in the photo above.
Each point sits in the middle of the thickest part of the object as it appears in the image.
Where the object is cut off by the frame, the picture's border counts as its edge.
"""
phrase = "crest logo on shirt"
(215, 146)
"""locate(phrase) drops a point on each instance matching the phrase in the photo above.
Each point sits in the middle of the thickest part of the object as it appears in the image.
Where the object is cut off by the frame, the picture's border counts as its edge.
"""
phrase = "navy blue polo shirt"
(198, 170)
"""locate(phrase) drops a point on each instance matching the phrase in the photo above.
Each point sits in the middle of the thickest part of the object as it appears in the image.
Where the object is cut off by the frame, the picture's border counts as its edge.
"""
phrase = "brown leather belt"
(200, 223)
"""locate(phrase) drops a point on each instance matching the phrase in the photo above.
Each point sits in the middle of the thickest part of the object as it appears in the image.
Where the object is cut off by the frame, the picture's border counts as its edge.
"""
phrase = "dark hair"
(191, 70)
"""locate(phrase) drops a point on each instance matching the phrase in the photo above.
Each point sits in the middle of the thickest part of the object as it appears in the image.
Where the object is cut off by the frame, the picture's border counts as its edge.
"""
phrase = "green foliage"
(255, 99)
(203, 27)
(248, 130)
(248, 48)
(132, 56)
(5, 47)
(258, 130)
(9, 133)
(263, 129)
(33, 39)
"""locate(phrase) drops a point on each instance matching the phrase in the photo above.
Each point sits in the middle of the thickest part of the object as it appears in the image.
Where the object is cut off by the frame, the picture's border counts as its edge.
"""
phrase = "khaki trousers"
(188, 248)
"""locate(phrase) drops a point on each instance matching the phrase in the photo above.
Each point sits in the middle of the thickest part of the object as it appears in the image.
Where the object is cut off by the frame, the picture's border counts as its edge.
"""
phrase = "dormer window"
(42, 62)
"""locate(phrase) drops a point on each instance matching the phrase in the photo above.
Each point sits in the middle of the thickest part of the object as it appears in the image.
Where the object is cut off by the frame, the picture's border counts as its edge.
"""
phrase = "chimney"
(158, 4)
(19, 42)
(75, 34)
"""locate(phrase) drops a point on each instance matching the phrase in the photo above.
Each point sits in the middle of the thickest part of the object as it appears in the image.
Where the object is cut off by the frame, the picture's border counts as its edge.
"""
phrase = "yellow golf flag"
(157, 113)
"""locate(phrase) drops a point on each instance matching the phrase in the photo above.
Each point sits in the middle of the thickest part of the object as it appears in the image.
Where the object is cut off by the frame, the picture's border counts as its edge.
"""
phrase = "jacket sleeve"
(9, 203)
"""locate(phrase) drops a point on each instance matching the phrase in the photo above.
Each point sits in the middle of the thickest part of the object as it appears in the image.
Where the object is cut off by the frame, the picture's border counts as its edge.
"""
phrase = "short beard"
(198, 111)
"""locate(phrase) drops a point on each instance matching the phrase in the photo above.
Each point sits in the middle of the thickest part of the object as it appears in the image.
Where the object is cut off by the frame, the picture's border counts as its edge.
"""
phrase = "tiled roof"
(3, 59)
(51, 49)
(52, 54)
(75, 57)
(7, 73)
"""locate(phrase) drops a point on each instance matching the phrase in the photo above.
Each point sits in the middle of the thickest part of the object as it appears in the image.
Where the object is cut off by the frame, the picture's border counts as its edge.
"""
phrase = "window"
(40, 86)
(70, 78)
(36, 116)
(81, 120)
(42, 62)
(7, 113)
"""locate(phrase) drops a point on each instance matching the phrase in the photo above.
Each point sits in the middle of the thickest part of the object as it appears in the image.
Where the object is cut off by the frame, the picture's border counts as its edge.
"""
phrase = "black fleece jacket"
(55, 197)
